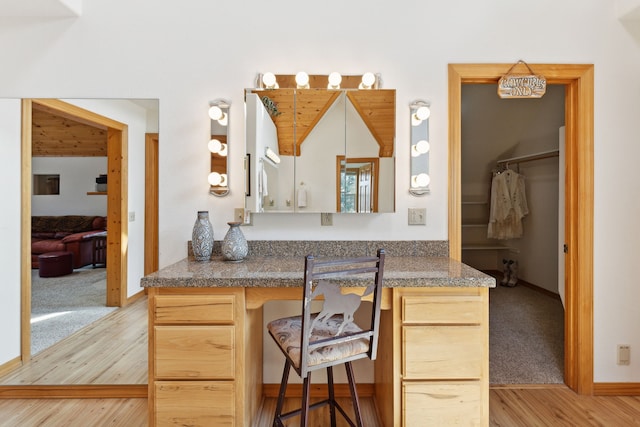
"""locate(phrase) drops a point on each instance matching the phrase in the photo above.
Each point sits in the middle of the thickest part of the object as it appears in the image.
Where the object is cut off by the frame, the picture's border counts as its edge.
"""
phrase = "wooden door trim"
(117, 196)
(579, 79)
(151, 204)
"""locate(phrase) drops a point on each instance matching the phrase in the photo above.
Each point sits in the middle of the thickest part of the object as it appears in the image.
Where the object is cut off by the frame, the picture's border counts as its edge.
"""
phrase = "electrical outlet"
(624, 354)
(326, 218)
(417, 216)
(242, 215)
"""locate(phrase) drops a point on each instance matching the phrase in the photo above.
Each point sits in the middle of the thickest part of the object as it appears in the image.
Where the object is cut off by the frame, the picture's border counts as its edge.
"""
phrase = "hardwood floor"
(119, 345)
(110, 351)
(554, 406)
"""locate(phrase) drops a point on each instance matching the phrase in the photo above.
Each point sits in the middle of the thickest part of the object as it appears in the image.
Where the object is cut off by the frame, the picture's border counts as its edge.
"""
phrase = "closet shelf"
(475, 202)
(484, 247)
(476, 225)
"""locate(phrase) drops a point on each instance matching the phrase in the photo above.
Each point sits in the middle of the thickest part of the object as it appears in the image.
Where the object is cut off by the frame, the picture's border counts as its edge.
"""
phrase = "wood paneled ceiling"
(59, 135)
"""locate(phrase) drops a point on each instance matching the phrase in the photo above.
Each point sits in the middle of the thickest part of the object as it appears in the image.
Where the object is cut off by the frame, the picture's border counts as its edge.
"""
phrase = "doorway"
(578, 80)
(116, 205)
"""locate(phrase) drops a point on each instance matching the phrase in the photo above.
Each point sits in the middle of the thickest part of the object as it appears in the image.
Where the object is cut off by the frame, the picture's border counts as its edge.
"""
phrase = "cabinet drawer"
(212, 309)
(194, 403)
(442, 404)
(442, 352)
(202, 352)
(442, 309)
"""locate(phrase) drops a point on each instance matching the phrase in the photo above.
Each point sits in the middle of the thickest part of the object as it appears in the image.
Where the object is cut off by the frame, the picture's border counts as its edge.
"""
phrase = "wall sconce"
(419, 160)
(334, 80)
(302, 80)
(218, 146)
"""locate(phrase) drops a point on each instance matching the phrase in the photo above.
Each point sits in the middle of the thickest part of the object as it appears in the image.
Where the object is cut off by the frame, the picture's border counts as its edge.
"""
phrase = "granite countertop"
(274, 271)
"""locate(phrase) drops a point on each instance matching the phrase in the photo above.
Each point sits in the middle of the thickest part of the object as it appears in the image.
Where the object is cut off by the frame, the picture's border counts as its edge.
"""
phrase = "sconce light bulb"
(334, 80)
(269, 80)
(423, 146)
(223, 149)
(214, 146)
(214, 178)
(215, 112)
(223, 180)
(302, 80)
(423, 112)
(420, 180)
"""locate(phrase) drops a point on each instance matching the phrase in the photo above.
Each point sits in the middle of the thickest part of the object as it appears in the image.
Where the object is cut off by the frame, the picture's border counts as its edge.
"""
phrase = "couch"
(71, 233)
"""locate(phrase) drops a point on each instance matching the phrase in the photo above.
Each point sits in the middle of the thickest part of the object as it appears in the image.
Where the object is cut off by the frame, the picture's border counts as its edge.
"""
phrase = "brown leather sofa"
(71, 233)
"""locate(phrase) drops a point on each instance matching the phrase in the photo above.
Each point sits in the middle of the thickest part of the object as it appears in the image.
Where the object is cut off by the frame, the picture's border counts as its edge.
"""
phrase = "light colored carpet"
(63, 305)
(526, 337)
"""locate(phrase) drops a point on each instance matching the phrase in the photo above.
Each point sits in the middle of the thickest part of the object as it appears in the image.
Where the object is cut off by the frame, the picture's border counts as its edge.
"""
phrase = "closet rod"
(529, 157)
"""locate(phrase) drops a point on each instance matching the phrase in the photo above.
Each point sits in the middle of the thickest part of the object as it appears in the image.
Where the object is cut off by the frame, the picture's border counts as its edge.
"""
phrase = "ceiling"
(41, 8)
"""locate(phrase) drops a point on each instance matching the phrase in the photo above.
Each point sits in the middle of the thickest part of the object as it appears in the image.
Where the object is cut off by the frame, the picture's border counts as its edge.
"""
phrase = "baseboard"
(616, 389)
(135, 297)
(318, 390)
(107, 391)
(5, 368)
(498, 275)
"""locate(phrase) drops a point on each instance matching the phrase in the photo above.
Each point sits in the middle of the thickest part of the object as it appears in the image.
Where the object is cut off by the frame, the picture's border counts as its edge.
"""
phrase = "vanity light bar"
(303, 80)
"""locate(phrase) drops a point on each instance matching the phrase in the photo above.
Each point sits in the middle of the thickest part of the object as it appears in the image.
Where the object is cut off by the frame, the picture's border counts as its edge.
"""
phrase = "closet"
(522, 136)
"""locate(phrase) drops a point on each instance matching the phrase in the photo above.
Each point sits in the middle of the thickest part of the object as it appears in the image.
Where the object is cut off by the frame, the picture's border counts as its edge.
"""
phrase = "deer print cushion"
(287, 332)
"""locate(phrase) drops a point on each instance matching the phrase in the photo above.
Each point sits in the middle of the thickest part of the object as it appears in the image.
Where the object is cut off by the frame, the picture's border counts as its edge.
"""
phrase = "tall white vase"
(202, 237)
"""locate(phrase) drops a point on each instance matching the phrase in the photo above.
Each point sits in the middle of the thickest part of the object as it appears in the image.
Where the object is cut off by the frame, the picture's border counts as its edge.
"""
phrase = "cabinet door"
(194, 352)
(194, 403)
(440, 404)
(442, 352)
(443, 309)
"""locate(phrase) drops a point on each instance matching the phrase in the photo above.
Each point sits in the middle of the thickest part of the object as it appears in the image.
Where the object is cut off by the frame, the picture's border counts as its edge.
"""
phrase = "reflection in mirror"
(218, 147)
(321, 137)
(419, 149)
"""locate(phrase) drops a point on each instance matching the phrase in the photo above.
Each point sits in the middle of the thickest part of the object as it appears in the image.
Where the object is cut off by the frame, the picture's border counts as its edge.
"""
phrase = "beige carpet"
(526, 336)
(63, 305)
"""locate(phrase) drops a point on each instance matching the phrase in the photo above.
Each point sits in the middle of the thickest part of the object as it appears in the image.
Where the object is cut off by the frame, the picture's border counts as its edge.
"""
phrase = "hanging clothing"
(508, 206)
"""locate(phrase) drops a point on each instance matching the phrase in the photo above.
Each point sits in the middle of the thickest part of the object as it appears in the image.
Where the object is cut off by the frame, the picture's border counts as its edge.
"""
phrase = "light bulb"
(214, 178)
(223, 180)
(269, 80)
(421, 147)
(368, 79)
(334, 80)
(215, 112)
(302, 80)
(223, 149)
(423, 112)
(214, 146)
(420, 180)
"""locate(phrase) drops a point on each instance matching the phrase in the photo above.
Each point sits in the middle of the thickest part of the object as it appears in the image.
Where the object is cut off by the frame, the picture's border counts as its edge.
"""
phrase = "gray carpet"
(526, 337)
(72, 302)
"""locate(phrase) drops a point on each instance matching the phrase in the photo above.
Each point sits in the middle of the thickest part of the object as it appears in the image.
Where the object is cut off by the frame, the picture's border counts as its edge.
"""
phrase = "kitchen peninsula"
(206, 329)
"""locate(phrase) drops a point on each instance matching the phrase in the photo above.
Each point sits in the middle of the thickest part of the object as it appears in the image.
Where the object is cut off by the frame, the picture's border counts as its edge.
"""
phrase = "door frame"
(578, 80)
(117, 206)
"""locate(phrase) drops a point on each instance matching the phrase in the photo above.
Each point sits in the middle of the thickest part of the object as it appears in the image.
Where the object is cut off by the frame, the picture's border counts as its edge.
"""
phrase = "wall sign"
(513, 85)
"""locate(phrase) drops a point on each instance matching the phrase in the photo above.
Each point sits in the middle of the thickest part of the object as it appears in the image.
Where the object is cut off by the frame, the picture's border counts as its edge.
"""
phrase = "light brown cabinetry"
(195, 375)
(444, 357)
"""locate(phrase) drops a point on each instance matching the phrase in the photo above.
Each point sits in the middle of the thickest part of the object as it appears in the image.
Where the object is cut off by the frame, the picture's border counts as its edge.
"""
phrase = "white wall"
(169, 50)
(77, 177)
(10, 229)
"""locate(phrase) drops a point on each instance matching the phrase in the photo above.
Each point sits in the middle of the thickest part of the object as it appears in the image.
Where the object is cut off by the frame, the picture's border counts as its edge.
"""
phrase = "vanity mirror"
(218, 147)
(320, 149)
(419, 178)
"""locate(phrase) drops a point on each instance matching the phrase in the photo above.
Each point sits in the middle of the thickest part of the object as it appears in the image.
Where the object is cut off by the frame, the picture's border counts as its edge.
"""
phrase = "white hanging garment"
(508, 206)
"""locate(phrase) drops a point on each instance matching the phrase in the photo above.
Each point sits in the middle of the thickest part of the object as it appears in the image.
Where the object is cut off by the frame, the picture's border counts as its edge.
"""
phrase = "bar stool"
(323, 340)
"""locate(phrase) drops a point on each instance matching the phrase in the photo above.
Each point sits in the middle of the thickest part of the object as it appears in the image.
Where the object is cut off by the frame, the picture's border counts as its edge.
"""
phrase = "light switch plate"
(326, 218)
(242, 215)
(417, 216)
